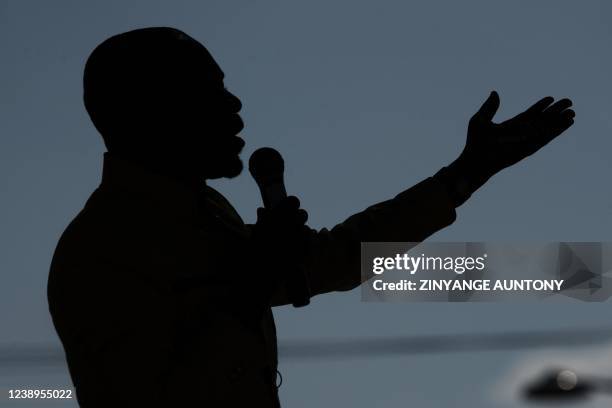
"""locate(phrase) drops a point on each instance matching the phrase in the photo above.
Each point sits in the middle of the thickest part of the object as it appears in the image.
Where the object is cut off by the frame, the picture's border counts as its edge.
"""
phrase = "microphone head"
(267, 166)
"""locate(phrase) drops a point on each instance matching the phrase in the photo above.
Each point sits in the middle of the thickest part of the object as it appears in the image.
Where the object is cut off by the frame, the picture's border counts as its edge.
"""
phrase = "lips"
(234, 144)
(228, 129)
(237, 124)
(239, 144)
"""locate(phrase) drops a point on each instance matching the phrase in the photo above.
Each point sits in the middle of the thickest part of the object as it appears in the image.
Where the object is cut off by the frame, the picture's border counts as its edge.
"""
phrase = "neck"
(160, 165)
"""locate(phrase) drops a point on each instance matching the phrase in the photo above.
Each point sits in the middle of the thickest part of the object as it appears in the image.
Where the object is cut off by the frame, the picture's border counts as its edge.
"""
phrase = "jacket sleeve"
(333, 257)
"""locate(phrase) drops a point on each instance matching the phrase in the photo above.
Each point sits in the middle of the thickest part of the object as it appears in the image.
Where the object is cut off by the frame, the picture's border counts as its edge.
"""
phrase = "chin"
(231, 168)
(235, 170)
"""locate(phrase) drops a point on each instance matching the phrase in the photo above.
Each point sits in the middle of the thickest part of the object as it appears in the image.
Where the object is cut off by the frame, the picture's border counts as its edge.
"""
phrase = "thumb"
(261, 213)
(488, 108)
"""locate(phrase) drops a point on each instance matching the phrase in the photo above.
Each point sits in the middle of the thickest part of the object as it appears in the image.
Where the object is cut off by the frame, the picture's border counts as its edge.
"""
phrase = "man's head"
(156, 95)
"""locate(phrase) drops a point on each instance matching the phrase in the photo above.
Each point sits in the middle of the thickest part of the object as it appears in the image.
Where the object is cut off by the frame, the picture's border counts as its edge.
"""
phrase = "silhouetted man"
(160, 293)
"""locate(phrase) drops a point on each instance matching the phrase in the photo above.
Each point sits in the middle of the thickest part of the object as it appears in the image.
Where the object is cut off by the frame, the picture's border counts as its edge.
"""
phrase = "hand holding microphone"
(280, 235)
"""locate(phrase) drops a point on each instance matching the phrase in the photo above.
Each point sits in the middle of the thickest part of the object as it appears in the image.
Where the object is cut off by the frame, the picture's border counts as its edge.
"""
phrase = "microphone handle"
(298, 286)
(272, 194)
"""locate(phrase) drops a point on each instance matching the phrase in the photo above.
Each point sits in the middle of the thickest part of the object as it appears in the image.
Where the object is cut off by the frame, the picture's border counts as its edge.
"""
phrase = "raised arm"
(330, 259)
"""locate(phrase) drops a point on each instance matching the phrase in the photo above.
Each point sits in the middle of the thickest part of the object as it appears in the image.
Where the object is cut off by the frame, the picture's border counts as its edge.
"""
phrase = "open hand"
(491, 147)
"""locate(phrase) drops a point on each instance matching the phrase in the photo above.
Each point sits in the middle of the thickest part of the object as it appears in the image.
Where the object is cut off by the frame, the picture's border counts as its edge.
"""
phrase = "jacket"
(150, 289)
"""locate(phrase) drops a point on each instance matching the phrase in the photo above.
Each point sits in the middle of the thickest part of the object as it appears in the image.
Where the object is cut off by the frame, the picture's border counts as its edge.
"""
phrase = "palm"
(499, 145)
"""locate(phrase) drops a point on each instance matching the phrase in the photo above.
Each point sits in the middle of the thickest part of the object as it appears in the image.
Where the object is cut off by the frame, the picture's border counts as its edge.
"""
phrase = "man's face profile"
(158, 95)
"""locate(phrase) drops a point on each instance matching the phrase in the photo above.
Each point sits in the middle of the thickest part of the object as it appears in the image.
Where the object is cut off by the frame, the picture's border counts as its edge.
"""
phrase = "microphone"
(267, 167)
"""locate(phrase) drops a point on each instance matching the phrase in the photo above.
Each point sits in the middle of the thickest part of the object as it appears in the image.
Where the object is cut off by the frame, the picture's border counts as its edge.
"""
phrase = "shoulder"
(104, 228)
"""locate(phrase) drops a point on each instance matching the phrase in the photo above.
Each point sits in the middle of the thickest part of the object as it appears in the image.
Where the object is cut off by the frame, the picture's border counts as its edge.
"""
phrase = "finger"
(554, 129)
(559, 106)
(292, 202)
(288, 204)
(539, 106)
(568, 113)
(302, 216)
(564, 124)
(488, 108)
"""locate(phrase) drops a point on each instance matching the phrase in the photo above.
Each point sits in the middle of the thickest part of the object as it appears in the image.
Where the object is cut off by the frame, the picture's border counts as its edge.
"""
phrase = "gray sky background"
(363, 99)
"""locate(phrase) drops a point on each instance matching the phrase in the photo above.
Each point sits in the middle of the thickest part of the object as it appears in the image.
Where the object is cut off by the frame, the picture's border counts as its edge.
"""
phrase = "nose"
(234, 103)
